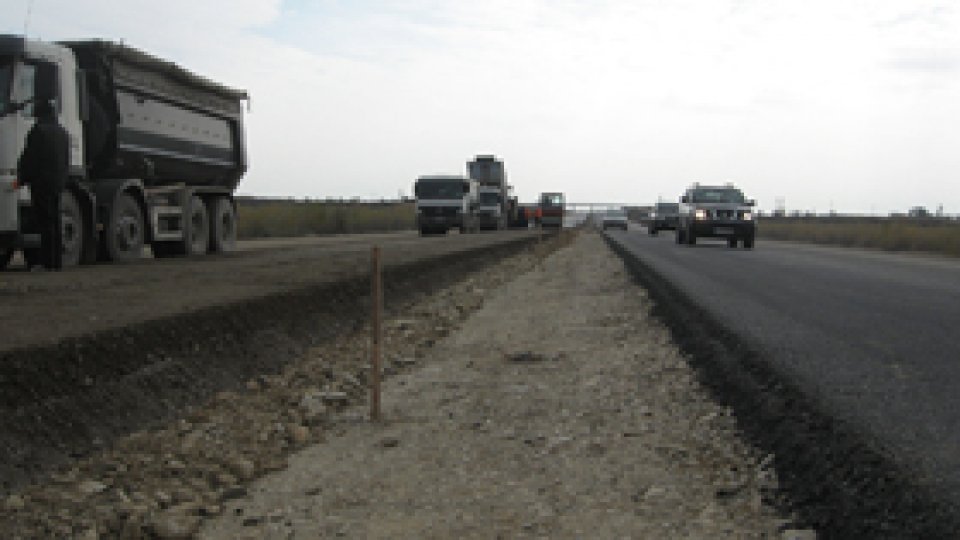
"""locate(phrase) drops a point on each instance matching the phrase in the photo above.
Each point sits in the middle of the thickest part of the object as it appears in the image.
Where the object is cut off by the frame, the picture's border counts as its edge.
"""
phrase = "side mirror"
(751, 202)
(684, 199)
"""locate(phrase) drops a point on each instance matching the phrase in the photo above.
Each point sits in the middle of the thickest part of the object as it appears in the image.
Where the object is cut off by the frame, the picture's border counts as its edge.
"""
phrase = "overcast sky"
(850, 105)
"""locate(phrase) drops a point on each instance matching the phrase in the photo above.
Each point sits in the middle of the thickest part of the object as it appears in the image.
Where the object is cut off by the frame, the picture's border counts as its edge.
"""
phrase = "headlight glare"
(700, 213)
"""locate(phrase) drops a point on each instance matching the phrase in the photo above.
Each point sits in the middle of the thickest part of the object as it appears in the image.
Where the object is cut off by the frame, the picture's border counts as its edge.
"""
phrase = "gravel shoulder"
(559, 409)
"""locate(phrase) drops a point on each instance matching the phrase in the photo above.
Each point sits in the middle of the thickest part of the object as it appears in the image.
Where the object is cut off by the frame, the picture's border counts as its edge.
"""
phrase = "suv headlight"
(748, 216)
(700, 213)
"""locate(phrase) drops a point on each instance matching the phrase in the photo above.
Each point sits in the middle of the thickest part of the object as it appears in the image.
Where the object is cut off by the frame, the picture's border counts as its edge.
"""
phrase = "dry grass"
(933, 236)
(259, 219)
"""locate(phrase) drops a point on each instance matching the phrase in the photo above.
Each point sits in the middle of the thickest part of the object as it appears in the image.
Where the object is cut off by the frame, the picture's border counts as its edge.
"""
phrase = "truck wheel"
(748, 242)
(690, 237)
(679, 236)
(5, 256)
(732, 242)
(71, 227)
(124, 236)
(223, 226)
(31, 257)
(198, 228)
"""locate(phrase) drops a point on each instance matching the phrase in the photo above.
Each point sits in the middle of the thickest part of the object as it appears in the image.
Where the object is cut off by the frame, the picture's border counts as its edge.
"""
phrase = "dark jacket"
(45, 162)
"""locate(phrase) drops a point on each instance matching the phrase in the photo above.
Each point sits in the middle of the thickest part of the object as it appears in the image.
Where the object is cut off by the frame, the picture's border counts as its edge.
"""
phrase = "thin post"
(376, 305)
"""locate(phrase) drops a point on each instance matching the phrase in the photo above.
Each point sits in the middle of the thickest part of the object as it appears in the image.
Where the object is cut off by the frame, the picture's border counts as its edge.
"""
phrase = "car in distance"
(664, 217)
(614, 219)
(716, 212)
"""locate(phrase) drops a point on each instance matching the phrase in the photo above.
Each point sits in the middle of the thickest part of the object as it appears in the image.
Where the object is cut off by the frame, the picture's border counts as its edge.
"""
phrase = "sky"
(844, 105)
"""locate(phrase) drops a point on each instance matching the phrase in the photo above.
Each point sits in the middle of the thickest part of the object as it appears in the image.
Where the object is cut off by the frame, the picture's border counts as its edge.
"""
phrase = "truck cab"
(445, 202)
(716, 212)
(30, 69)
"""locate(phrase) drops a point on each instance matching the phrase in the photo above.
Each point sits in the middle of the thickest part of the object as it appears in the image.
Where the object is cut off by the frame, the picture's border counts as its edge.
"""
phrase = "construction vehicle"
(493, 210)
(156, 151)
(551, 210)
(445, 202)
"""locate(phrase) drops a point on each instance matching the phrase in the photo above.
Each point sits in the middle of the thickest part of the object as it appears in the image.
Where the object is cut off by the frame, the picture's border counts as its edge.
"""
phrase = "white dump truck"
(156, 151)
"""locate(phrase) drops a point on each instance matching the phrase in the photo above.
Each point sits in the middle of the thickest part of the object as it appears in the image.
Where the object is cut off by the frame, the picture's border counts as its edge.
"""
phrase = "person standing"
(44, 166)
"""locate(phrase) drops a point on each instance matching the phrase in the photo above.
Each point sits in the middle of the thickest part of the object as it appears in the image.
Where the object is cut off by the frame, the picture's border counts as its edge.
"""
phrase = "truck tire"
(732, 242)
(72, 229)
(31, 257)
(690, 238)
(197, 233)
(748, 242)
(679, 236)
(5, 256)
(125, 234)
(223, 225)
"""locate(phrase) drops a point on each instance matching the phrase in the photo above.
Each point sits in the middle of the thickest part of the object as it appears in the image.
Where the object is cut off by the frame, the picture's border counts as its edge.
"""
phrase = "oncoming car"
(716, 212)
(614, 219)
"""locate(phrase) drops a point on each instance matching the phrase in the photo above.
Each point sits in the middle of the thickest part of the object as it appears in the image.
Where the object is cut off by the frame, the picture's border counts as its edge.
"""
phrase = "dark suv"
(716, 212)
(664, 217)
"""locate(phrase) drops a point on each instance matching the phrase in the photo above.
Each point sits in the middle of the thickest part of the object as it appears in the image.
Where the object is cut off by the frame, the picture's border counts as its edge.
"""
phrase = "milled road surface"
(871, 335)
(44, 308)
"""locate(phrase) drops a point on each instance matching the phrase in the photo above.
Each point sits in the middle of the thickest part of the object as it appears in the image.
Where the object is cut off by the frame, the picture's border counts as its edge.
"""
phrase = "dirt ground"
(558, 410)
(46, 308)
(534, 398)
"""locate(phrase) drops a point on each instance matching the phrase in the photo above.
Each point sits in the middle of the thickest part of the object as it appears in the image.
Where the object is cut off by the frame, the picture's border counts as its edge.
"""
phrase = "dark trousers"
(47, 209)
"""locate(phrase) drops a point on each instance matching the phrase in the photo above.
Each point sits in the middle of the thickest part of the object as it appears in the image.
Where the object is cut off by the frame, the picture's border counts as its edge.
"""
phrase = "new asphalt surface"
(872, 336)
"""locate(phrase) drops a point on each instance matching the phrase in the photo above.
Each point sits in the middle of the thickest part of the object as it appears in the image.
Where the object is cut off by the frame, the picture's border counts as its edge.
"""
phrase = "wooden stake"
(376, 305)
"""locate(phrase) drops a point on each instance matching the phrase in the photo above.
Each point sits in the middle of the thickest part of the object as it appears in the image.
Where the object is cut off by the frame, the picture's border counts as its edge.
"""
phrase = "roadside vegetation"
(262, 218)
(940, 236)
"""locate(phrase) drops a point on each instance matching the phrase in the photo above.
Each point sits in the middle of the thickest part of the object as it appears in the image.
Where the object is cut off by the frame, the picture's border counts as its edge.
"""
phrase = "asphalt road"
(873, 336)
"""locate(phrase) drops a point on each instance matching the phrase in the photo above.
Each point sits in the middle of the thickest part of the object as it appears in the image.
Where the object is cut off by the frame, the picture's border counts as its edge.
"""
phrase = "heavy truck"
(493, 212)
(551, 210)
(156, 151)
(446, 202)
